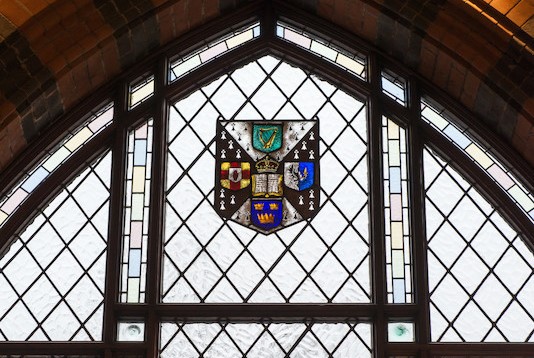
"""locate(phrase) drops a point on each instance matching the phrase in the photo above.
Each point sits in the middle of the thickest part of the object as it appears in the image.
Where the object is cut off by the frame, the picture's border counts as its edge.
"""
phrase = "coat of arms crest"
(267, 175)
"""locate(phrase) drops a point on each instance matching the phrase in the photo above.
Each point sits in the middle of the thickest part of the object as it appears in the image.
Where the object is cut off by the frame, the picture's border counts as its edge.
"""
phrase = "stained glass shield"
(280, 161)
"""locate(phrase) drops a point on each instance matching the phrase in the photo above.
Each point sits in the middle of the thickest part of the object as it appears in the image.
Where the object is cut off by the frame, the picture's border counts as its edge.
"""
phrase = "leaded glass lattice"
(479, 153)
(52, 277)
(208, 259)
(268, 339)
(55, 157)
(481, 275)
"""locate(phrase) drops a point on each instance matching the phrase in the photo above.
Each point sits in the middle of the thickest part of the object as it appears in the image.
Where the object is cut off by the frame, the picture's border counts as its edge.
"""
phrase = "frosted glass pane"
(52, 276)
(480, 281)
(208, 259)
(267, 339)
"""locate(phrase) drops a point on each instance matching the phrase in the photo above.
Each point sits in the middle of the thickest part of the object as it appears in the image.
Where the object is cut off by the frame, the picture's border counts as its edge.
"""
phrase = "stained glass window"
(396, 205)
(136, 213)
(270, 207)
(208, 259)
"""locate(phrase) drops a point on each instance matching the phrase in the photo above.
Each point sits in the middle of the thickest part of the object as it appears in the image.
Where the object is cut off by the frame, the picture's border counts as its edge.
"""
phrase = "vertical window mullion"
(376, 207)
(157, 201)
(116, 212)
(417, 212)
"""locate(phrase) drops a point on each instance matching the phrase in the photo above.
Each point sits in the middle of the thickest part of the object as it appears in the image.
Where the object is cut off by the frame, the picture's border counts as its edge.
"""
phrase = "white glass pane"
(267, 339)
(480, 272)
(52, 276)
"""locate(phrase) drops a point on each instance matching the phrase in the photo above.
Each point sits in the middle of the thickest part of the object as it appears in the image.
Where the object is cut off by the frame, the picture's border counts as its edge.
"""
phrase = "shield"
(267, 172)
(235, 175)
(266, 214)
(267, 138)
(299, 175)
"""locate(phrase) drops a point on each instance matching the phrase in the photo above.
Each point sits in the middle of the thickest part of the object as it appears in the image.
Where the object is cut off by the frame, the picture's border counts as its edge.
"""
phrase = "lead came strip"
(136, 213)
(398, 258)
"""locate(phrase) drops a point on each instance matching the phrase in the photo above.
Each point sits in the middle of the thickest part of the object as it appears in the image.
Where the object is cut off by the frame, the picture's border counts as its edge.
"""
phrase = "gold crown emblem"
(273, 206)
(266, 218)
(258, 206)
(267, 165)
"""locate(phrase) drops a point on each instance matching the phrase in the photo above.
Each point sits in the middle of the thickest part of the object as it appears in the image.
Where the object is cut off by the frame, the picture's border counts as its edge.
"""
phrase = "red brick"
(370, 23)
(470, 90)
(456, 80)
(523, 11)
(211, 8)
(528, 106)
(442, 69)
(504, 6)
(16, 135)
(528, 153)
(14, 12)
(427, 59)
(195, 12)
(110, 58)
(67, 89)
(35, 6)
(166, 25)
(325, 8)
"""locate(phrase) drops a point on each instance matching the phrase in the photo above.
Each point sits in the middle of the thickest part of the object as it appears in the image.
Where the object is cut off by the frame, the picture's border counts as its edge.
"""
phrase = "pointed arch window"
(127, 255)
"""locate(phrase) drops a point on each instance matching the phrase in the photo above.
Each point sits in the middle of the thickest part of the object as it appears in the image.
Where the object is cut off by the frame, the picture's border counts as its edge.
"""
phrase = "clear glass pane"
(394, 86)
(266, 339)
(52, 277)
(481, 277)
(210, 259)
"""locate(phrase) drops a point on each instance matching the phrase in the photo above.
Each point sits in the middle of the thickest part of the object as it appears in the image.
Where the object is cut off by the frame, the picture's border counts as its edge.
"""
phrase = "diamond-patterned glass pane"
(325, 259)
(481, 274)
(348, 339)
(52, 276)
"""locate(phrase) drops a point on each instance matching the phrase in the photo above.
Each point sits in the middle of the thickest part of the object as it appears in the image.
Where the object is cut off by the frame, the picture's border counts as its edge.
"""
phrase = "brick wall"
(54, 53)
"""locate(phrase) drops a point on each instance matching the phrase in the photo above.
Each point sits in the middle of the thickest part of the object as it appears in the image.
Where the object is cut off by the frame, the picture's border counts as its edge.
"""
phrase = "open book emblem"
(267, 175)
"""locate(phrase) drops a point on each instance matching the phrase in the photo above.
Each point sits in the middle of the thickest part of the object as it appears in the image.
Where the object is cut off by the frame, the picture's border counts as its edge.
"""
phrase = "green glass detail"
(400, 330)
(267, 138)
